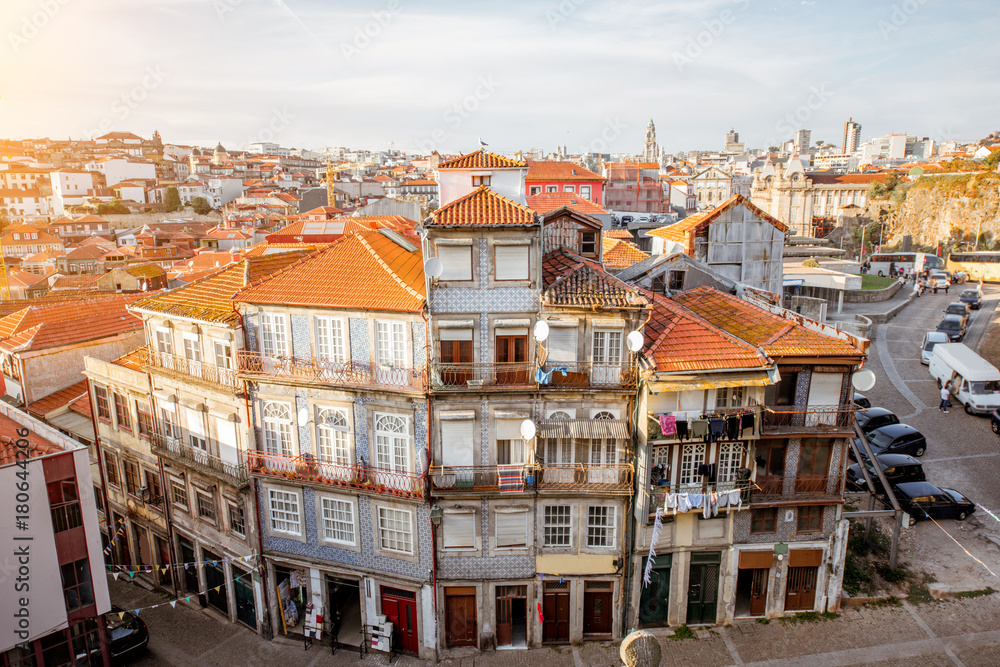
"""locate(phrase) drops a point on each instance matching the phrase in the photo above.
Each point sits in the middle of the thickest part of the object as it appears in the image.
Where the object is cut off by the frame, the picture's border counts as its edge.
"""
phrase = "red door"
(555, 611)
(400, 607)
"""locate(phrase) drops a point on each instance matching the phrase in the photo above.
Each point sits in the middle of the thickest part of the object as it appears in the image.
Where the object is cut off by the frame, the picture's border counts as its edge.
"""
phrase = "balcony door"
(603, 462)
(390, 339)
(607, 355)
(558, 461)
(455, 355)
(392, 452)
(512, 357)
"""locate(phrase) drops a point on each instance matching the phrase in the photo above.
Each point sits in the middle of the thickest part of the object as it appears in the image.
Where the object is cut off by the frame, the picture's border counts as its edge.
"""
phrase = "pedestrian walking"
(917, 287)
(945, 397)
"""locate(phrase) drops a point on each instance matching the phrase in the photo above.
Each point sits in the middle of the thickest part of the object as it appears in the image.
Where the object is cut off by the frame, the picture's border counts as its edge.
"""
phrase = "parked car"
(960, 309)
(626, 219)
(127, 634)
(931, 338)
(861, 401)
(972, 297)
(874, 418)
(923, 500)
(897, 468)
(897, 439)
(939, 280)
(953, 326)
(995, 421)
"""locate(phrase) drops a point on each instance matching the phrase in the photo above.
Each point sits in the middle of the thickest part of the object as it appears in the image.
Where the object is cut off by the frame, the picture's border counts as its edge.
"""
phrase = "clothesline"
(730, 426)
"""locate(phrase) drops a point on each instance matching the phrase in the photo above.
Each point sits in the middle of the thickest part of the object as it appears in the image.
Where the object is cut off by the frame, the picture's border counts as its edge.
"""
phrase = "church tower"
(651, 153)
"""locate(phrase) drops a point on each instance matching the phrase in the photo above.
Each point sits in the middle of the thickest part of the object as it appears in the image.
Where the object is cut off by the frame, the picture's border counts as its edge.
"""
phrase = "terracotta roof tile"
(63, 323)
(618, 254)
(61, 398)
(617, 234)
(571, 280)
(551, 201)
(334, 228)
(481, 159)
(134, 360)
(485, 207)
(555, 170)
(82, 406)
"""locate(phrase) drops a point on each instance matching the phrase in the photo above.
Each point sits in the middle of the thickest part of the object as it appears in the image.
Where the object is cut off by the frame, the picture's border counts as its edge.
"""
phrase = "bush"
(201, 205)
(173, 200)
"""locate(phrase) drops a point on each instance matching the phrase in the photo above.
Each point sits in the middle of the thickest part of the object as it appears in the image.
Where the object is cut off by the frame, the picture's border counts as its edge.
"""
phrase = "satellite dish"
(634, 341)
(433, 267)
(527, 429)
(190, 263)
(541, 331)
(144, 286)
(303, 415)
(863, 380)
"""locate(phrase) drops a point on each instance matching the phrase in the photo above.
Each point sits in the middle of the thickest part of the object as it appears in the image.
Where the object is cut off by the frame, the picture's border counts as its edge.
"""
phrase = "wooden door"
(703, 588)
(215, 577)
(511, 356)
(243, 594)
(555, 611)
(800, 592)
(460, 616)
(459, 353)
(597, 608)
(400, 607)
(655, 598)
(511, 601)
(758, 592)
(161, 547)
(190, 571)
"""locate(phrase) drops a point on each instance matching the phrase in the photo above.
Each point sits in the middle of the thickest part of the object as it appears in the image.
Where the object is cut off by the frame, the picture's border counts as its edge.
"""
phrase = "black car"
(923, 500)
(898, 439)
(972, 298)
(861, 401)
(874, 418)
(960, 309)
(995, 421)
(953, 326)
(127, 634)
(897, 468)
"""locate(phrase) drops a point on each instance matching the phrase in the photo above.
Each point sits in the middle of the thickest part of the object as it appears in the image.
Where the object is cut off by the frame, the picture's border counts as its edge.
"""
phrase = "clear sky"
(421, 75)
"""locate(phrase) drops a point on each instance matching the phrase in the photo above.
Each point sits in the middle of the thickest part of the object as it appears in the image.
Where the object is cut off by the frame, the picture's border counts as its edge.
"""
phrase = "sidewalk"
(930, 634)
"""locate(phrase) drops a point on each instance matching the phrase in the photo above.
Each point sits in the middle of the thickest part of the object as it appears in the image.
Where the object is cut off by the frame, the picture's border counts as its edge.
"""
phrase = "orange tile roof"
(481, 159)
(685, 231)
(61, 398)
(368, 270)
(65, 323)
(336, 227)
(555, 170)
(82, 406)
(776, 335)
(617, 234)
(134, 360)
(678, 339)
(619, 254)
(571, 280)
(846, 179)
(483, 206)
(210, 299)
(551, 201)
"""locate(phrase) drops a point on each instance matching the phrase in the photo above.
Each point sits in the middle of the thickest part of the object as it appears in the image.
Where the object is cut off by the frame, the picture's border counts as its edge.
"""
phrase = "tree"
(992, 159)
(4, 220)
(173, 200)
(201, 205)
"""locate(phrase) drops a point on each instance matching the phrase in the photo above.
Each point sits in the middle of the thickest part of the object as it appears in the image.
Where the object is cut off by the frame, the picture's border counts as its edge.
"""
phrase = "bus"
(977, 265)
(880, 262)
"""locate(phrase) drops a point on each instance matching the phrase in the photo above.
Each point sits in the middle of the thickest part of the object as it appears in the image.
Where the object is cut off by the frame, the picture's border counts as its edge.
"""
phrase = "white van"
(974, 381)
(931, 338)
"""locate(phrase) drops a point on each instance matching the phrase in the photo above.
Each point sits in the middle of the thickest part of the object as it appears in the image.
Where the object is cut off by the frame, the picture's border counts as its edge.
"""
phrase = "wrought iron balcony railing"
(201, 370)
(771, 488)
(177, 450)
(814, 418)
(599, 478)
(587, 374)
(490, 375)
(309, 469)
(360, 374)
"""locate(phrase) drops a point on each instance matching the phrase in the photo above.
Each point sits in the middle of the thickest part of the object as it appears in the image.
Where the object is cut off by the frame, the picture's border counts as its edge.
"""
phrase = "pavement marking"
(968, 456)
(893, 374)
(930, 633)
(724, 632)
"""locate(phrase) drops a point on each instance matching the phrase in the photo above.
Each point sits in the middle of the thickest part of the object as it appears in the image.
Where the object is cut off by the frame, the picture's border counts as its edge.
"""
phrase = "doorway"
(800, 592)
(246, 610)
(190, 569)
(143, 552)
(166, 577)
(555, 612)
(460, 616)
(703, 587)
(655, 598)
(597, 608)
(400, 607)
(511, 355)
(346, 621)
(512, 616)
(751, 582)
(215, 582)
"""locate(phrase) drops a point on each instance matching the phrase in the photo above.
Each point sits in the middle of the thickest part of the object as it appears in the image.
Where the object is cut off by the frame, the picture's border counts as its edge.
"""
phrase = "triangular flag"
(217, 588)
(131, 575)
(121, 615)
(136, 611)
(187, 566)
(188, 598)
(163, 570)
(115, 575)
(173, 603)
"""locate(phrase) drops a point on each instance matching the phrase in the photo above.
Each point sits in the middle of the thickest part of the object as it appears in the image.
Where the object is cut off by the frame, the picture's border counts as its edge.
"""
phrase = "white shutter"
(511, 262)
(455, 334)
(226, 431)
(512, 529)
(195, 422)
(460, 531)
(562, 344)
(508, 429)
(456, 443)
(457, 261)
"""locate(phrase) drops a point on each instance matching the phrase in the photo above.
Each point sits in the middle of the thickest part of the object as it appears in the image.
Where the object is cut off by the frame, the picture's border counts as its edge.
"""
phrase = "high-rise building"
(852, 136)
(733, 144)
(651, 152)
(802, 140)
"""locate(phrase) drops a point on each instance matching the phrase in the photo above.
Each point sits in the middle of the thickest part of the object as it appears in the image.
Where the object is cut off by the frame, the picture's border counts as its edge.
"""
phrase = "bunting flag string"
(114, 538)
(967, 552)
(988, 512)
(187, 598)
(163, 568)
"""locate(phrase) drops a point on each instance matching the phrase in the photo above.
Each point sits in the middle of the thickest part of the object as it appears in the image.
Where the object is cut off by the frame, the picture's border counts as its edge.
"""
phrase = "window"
(395, 530)
(481, 180)
(131, 477)
(458, 443)
(338, 520)
(178, 493)
(77, 588)
(273, 336)
(237, 520)
(455, 347)
(562, 344)
(459, 530)
(170, 427)
(511, 262)
(192, 350)
(692, 456)
(784, 393)
(153, 486)
(103, 406)
(511, 529)
(659, 284)
(810, 519)
(205, 504)
(608, 348)
(164, 344)
(284, 509)
(278, 428)
(511, 452)
(391, 341)
(199, 442)
(600, 526)
(585, 191)
(223, 355)
(332, 431)
(64, 504)
(556, 527)
(814, 456)
(588, 243)
(144, 420)
(677, 281)
(552, 188)
(729, 397)
(763, 520)
(534, 189)
(330, 339)
(730, 458)
(121, 412)
(457, 262)
(392, 443)
(770, 459)
(111, 470)
(569, 188)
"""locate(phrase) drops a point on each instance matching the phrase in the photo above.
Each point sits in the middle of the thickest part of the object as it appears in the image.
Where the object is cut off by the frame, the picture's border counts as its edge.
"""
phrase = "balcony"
(309, 470)
(614, 479)
(586, 375)
(234, 474)
(222, 377)
(494, 376)
(485, 479)
(658, 494)
(355, 374)
(827, 419)
(743, 434)
(771, 488)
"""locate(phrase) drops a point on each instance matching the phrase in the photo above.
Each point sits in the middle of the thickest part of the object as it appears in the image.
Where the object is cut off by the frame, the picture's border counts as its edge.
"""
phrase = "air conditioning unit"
(144, 493)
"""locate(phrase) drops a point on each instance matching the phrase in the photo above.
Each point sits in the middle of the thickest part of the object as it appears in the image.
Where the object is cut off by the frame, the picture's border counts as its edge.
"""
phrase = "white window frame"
(393, 448)
(390, 341)
(277, 428)
(730, 460)
(283, 519)
(334, 504)
(609, 530)
(164, 340)
(273, 334)
(225, 354)
(192, 348)
(692, 456)
(585, 191)
(399, 517)
(333, 435)
(331, 339)
(564, 526)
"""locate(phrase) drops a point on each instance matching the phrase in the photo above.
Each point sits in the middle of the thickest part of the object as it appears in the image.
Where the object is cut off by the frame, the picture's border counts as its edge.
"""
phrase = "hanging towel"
(695, 500)
(706, 509)
(746, 421)
(670, 502)
(682, 429)
(732, 427)
(511, 478)
(541, 377)
(668, 424)
(716, 427)
(683, 503)
(715, 504)
(735, 498)
(723, 498)
(699, 428)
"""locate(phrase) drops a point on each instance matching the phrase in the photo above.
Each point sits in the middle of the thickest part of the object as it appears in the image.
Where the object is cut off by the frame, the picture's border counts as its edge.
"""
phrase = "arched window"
(604, 414)
(392, 443)
(559, 414)
(332, 435)
(278, 428)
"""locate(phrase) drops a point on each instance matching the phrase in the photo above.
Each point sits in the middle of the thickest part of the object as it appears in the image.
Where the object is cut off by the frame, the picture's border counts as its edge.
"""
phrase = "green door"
(655, 596)
(703, 587)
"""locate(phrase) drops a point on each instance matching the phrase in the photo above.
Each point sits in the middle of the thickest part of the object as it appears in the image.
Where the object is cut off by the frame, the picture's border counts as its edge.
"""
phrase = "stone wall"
(871, 295)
